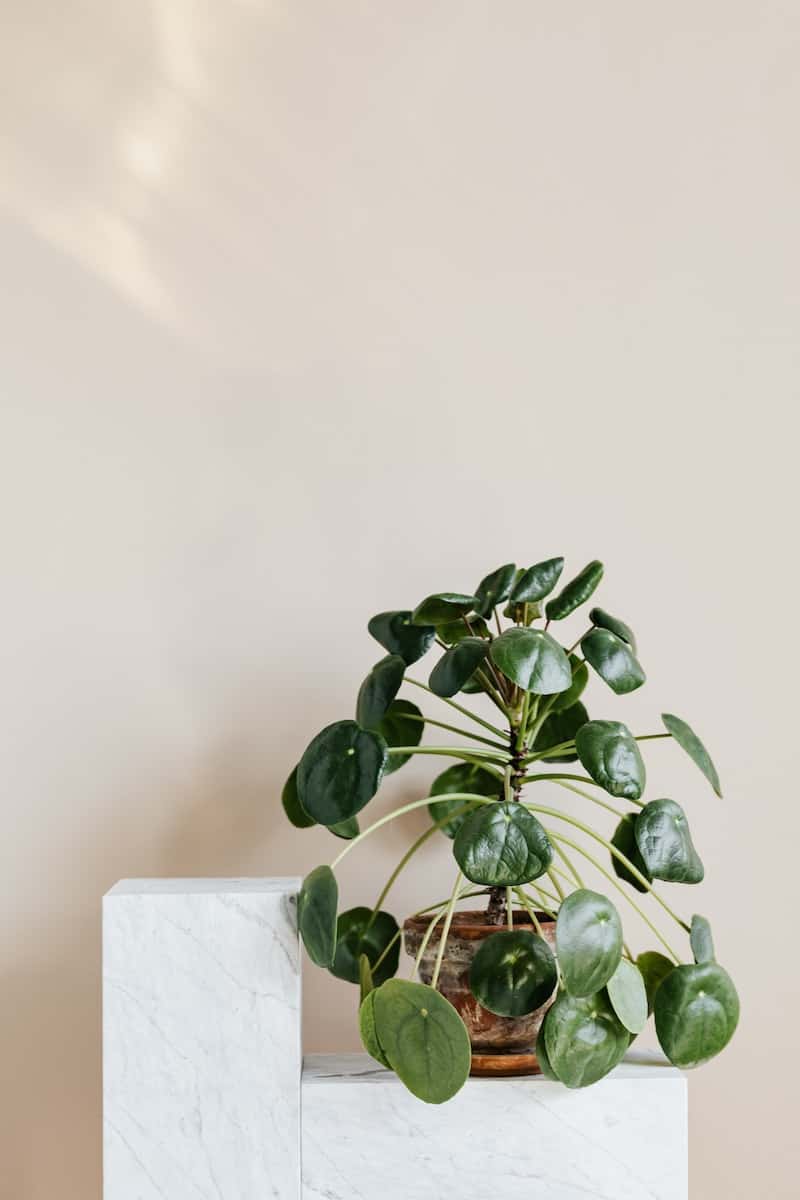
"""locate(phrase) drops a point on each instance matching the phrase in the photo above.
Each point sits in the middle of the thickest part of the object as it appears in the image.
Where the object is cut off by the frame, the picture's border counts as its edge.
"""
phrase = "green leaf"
(604, 620)
(441, 607)
(347, 829)
(610, 753)
(654, 968)
(588, 942)
(456, 666)
(613, 660)
(545, 1066)
(365, 981)
(584, 1039)
(366, 1027)
(701, 940)
(665, 843)
(464, 778)
(532, 659)
(423, 1038)
(340, 771)
(403, 725)
(502, 845)
(697, 1011)
(379, 690)
(628, 996)
(536, 582)
(316, 915)
(580, 677)
(456, 631)
(513, 973)
(494, 589)
(561, 727)
(396, 634)
(358, 935)
(292, 806)
(576, 592)
(688, 740)
(624, 838)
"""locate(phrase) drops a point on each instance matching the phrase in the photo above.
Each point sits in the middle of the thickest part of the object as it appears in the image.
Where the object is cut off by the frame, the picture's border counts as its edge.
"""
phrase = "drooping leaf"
(366, 1027)
(292, 806)
(545, 1066)
(402, 725)
(701, 939)
(576, 592)
(584, 1039)
(604, 620)
(513, 973)
(441, 607)
(493, 589)
(502, 845)
(340, 771)
(316, 915)
(688, 740)
(423, 1039)
(696, 1011)
(580, 677)
(654, 968)
(456, 631)
(561, 727)
(624, 838)
(456, 666)
(628, 996)
(588, 942)
(379, 690)
(357, 935)
(613, 660)
(610, 753)
(396, 634)
(347, 829)
(665, 843)
(537, 581)
(462, 779)
(532, 659)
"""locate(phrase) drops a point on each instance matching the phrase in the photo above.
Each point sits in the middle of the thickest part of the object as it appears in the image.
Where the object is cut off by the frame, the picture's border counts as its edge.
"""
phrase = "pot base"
(486, 1065)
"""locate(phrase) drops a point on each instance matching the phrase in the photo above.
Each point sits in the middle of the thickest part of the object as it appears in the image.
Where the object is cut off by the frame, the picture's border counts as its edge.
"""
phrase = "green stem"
(466, 712)
(560, 775)
(445, 931)
(570, 866)
(454, 752)
(509, 910)
(409, 854)
(650, 737)
(540, 716)
(476, 737)
(529, 909)
(492, 692)
(561, 893)
(588, 796)
(399, 812)
(374, 966)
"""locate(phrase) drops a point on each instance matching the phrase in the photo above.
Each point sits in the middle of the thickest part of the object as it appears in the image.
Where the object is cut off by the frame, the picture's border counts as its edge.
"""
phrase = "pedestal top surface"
(199, 887)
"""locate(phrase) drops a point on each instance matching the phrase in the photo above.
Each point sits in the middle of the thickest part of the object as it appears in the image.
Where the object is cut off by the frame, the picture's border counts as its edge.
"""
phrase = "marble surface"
(366, 1138)
(201, 1021)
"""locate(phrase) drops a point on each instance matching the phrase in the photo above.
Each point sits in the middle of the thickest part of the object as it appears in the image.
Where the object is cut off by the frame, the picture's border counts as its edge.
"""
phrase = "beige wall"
(310, 309)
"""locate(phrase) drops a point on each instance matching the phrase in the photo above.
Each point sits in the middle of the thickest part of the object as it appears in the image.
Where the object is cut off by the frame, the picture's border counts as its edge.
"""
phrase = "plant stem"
(374, 966)
(509, 910)
(560, 775)
(476, 737)
(455, 752)
(399, 812)
(529, 909)
(556, 885)
(409, 854)
(588, 796)
(650, 737)
(570, 867)
(458, 707)
(492, 692)
(445, 931)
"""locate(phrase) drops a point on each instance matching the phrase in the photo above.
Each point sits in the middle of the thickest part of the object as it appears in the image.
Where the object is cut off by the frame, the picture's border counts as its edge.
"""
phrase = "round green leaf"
(403, 725)
(665, 843)
(561, 727)
(366, 1027)
(584, 1039)
(628, 996)
(456, 666)
(604, 620)
(423, 1038)
(624, 838)
(292, 806)
(576, 592)
(654, 968)
(379, 690)
(536, 582)
(532, 659)
(340, 771)
(456, 631)
(396, 634)
(463, 778)
(347, 829)
(502, 845)
(580, 677)
(701, 940)
(613, 660)
(545, 1066)
(588, 941)
(513, 973)
(444, 606)
(688, 740)
(610, 753)
(494, 589)
(316, 915)
(357, 935)
(696, 1011)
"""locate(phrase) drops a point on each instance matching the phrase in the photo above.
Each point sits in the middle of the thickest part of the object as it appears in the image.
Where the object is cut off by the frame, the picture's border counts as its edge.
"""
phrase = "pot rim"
(471, 925)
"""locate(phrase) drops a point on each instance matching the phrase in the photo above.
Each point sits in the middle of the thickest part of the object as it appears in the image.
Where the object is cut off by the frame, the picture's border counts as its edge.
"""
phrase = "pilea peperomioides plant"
(545, 967)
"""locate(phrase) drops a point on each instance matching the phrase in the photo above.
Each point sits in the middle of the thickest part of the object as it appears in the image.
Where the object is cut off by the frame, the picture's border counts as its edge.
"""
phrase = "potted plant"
(536, 974)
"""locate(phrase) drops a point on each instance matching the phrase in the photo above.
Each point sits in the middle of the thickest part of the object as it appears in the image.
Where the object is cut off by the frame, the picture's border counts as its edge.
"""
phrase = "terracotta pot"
(500, 1045)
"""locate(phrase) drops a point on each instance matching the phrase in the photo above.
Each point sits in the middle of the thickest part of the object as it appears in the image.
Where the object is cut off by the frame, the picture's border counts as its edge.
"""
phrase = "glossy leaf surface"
(423, 1039)
(580, 677)
(366, 1027)
(513, 973)
(576, 592)
(584, 1039)
(494, 588)
(701, 939)
(292, 806)
(542, 1057)
(466, 779)
(441, 607)
(561, 727)
(356, 935)
(502, 845)
(604, 620)
(456, 666)
(340, 771)
(456, 631)
(688, 740)
(401, 726)
(696, 1011)
(396, 634)
(624, 838)
(665, 843)
(610, 753)
(347, 829)
(613, 660)
(379, 690)
(316, 915)
(532, 659)
(654, 968)
(537, 581)
(628, 996)
(588, 941)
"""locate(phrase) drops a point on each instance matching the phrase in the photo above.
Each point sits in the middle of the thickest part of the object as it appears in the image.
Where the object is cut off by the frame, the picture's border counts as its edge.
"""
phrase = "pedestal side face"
(366, 1138)
(201, 1037)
